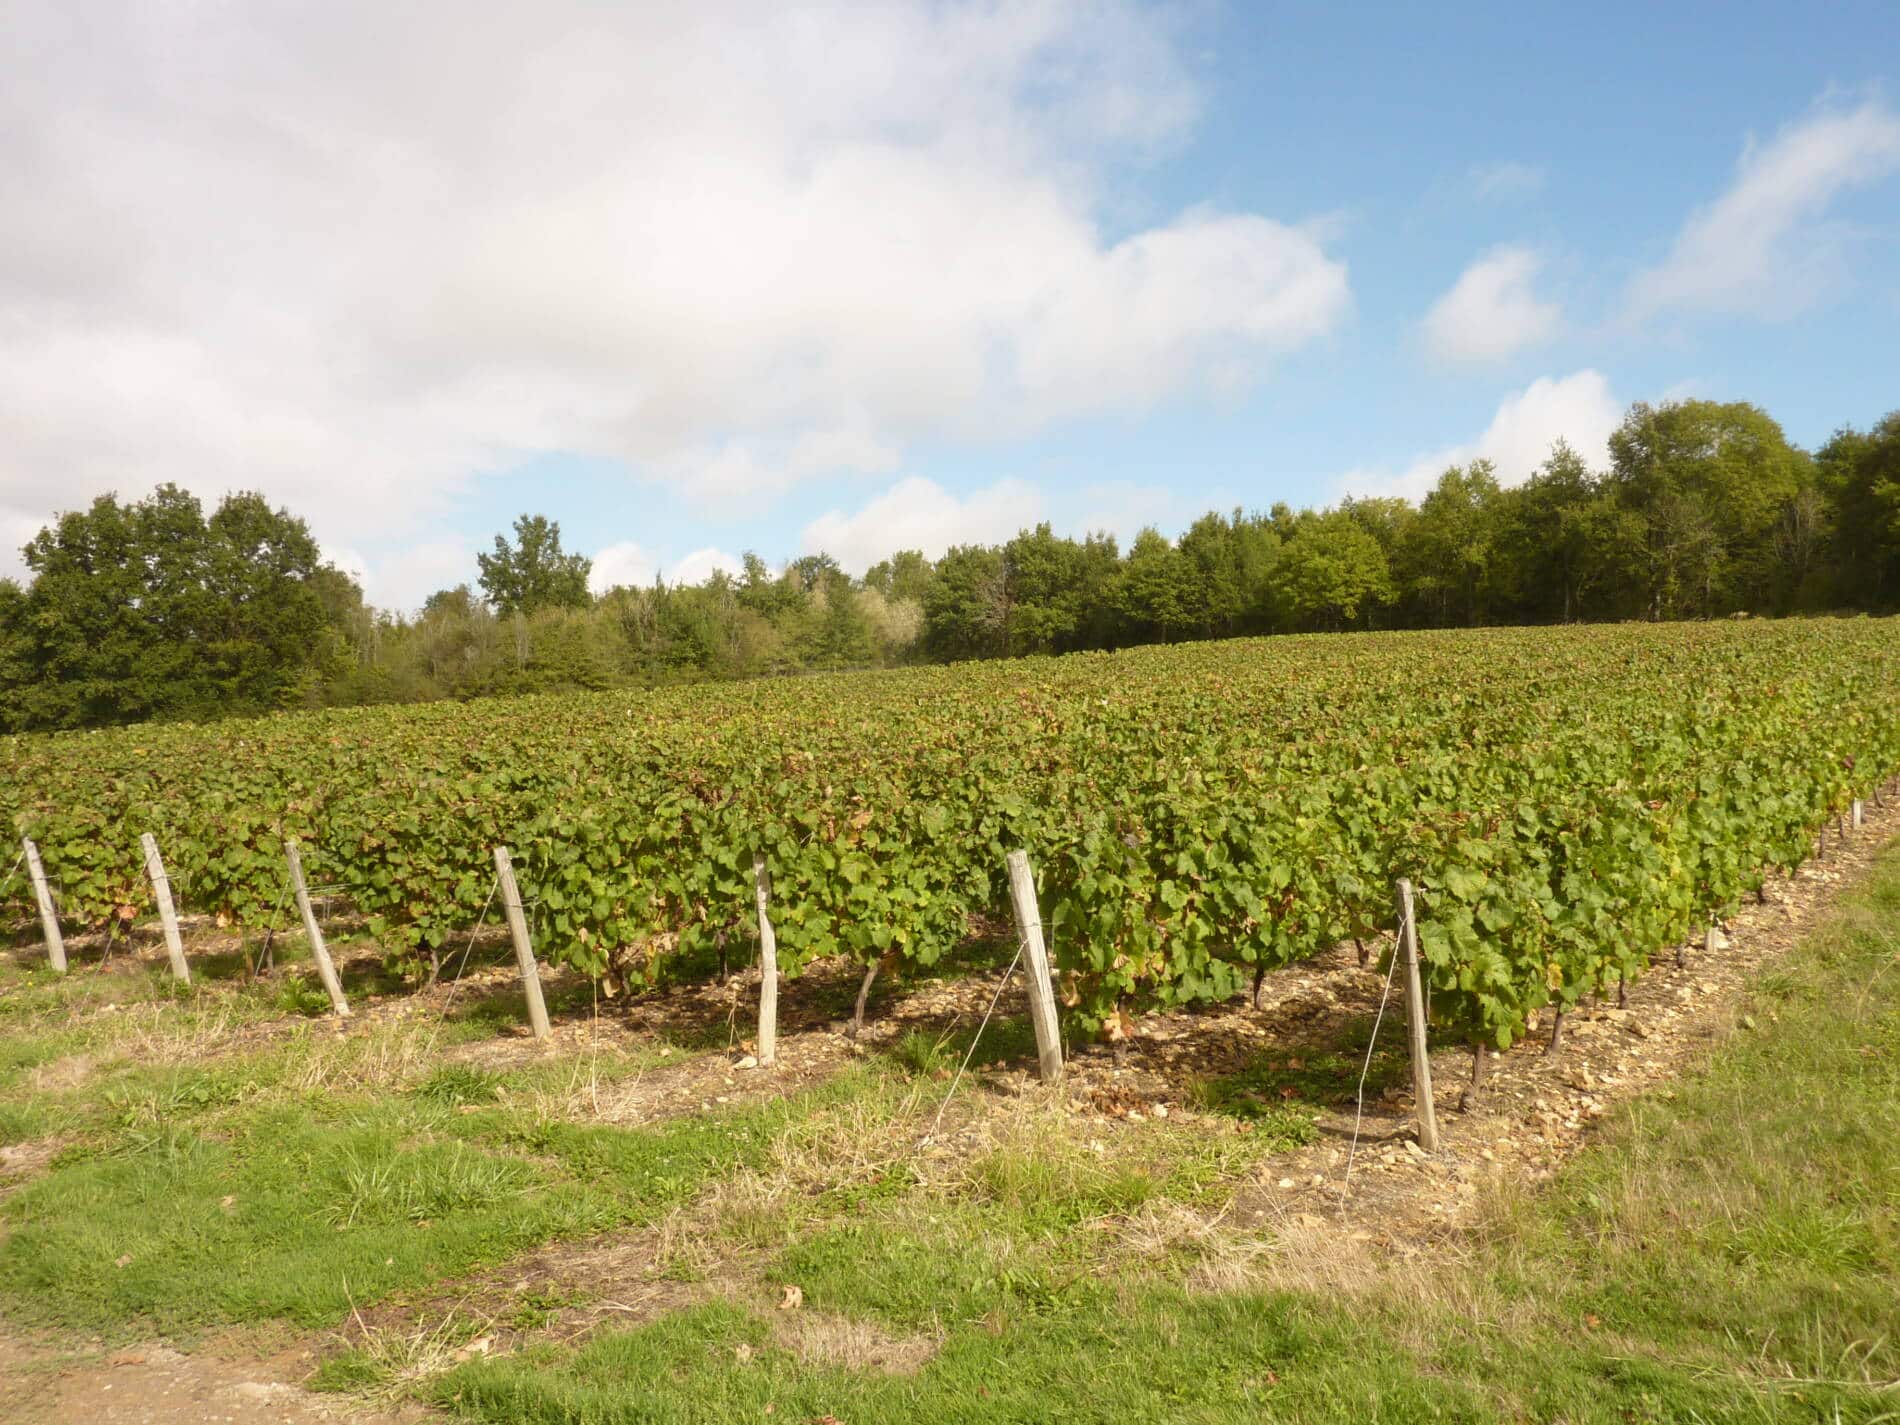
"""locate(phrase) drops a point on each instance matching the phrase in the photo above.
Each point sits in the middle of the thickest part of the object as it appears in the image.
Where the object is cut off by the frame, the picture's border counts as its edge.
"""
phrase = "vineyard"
(1565, 801)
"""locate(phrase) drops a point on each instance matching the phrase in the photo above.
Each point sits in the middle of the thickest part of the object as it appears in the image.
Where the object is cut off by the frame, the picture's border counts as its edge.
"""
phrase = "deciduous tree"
(533, 572)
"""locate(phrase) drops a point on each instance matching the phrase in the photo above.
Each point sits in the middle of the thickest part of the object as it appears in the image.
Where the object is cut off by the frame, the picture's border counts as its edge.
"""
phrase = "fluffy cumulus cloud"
(355, 254)
(702, 564)
(624, 563)
(1492, 311)
(402, 580)
(916, 513)
(1577, 408)
(1124, 508)
(1766, 247)
(628, 564)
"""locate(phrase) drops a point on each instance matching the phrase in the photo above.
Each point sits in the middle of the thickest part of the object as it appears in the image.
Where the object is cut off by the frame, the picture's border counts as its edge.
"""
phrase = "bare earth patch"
(559, 1292)
(20, 1161)
(156, 1385)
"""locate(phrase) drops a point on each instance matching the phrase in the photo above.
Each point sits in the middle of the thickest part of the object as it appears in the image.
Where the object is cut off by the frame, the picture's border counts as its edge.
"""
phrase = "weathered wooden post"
(524, 949)
(768, 965)
(1415, 1022)
(326, 969)
(49, 915)
(1860, 813)
(167, 915)
(1042, 996)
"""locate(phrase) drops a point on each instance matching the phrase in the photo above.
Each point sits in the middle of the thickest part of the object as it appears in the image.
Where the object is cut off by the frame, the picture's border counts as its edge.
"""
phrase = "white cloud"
(1577, 408)
(1491, 311)
(353, 254)
(917, 513)
(1505, 179)
(1764, 247)
(1123, 508)
(400, 582)
(625, 563)
(699, 566)
(351, 563)
(630, 565)
(1175, 307)
(16, 528)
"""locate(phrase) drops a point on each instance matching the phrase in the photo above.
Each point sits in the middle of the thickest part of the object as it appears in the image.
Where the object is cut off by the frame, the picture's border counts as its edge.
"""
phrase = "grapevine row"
(1566, 801)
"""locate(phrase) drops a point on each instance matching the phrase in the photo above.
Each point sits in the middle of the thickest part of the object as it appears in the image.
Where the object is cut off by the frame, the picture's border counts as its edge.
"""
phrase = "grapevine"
(1567, 801)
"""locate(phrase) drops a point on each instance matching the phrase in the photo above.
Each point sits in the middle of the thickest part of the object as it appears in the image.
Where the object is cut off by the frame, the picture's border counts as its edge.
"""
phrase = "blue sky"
(860, 277)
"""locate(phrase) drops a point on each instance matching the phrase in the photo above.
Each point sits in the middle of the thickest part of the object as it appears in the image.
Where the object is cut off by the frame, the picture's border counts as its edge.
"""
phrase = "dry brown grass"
(399, 1356)
(854, 1142)
(161, 1032)
(62, 1074)
(822, 1338)
(382, 1054)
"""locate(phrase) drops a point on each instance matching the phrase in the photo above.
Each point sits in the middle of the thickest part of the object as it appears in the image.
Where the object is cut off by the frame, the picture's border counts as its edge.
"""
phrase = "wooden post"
(768, 965)
(1708, 940)
(1415, 1022)
(167, 916)
(49, 916)
(1042, 996)
(524, 950)
(1859, 813)
(326, 970)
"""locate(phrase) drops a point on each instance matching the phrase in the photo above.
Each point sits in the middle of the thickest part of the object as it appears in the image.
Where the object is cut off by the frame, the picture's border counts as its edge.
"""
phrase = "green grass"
(1730, 1250)
(457, 1084)
(195, 1198)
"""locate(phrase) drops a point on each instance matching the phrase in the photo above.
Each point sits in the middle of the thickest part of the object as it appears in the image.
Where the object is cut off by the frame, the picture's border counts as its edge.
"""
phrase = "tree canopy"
(150, 610)
(533, 572)
(1705, 509)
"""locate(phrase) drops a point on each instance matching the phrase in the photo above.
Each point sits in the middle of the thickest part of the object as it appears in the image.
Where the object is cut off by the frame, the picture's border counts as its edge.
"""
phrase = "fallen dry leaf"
(793, 1299)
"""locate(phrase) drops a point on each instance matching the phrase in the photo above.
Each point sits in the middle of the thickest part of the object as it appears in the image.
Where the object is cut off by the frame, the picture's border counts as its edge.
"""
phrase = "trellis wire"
(1359, 1111)
(456, 983)
(1022, 942)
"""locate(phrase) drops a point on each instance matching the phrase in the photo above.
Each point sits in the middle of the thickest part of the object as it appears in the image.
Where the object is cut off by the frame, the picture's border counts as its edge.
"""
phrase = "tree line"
(153, 609)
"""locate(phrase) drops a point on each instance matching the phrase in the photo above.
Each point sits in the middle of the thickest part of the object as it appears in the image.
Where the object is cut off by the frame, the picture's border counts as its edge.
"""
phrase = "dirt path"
(156, 1385)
